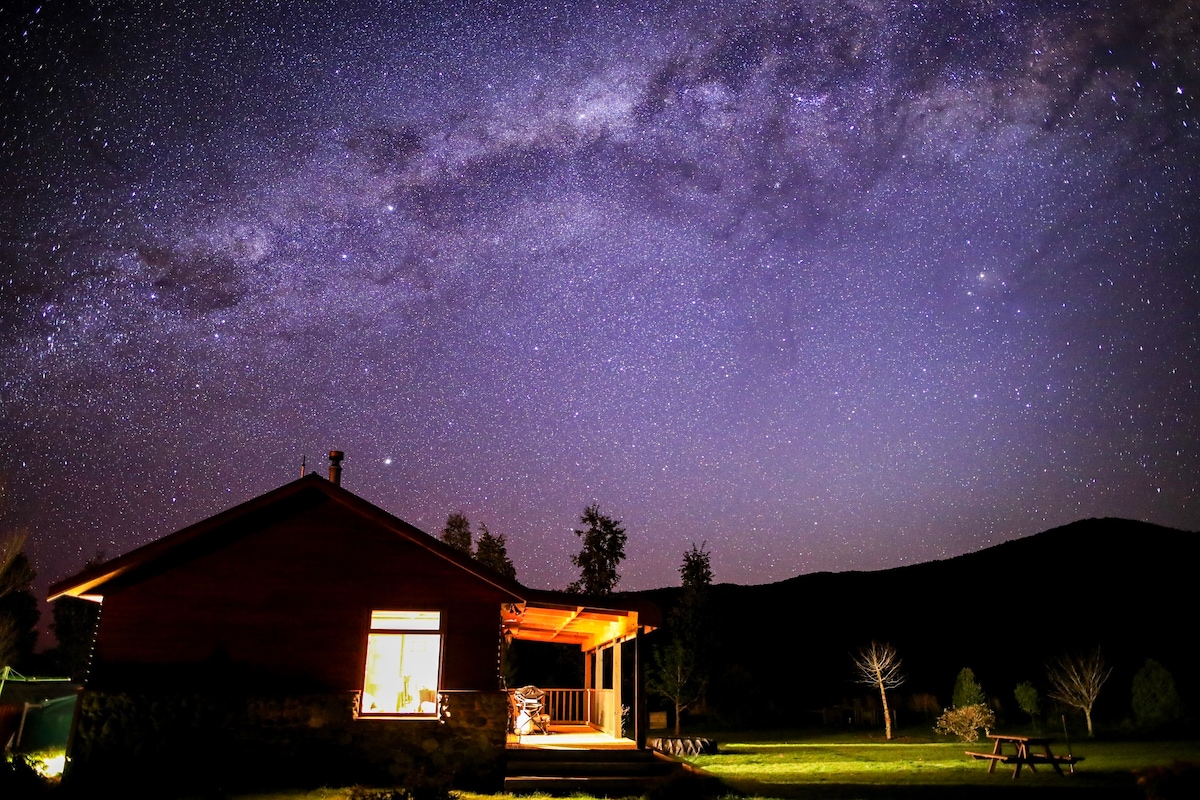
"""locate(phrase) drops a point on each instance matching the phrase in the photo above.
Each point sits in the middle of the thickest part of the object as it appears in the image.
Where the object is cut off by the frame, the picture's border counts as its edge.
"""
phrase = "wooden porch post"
(641, 711)
(589, 683)
(617, 673)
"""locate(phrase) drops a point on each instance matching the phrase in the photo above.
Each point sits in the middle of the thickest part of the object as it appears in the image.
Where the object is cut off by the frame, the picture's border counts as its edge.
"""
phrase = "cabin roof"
(161, 554)
(532, 614)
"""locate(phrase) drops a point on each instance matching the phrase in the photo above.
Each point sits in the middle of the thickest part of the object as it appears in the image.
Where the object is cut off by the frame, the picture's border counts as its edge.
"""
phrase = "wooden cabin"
(309, 637)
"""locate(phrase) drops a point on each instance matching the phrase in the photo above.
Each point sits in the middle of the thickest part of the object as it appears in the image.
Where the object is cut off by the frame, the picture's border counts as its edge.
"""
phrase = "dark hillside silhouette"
(1005, 612)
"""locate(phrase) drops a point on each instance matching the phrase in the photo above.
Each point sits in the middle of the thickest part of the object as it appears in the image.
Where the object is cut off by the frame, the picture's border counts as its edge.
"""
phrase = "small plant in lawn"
(966, 722)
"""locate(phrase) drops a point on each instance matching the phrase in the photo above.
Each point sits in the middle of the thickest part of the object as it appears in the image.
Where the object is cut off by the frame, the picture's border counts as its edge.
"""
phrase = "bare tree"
(879, 665)
(1076, 681)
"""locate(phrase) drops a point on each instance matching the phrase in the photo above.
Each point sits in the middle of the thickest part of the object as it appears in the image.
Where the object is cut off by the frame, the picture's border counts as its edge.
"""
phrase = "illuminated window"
(404, 654)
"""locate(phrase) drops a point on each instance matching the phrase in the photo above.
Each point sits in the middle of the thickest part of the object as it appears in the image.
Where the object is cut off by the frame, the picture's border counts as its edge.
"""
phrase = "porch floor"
(569, 737)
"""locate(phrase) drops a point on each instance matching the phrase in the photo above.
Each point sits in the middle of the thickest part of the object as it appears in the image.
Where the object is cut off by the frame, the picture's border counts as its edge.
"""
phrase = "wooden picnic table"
(1024, 753)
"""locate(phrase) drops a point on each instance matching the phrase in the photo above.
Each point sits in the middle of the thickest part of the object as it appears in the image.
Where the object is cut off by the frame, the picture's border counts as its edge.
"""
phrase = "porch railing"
(568, 706)
(594, 707)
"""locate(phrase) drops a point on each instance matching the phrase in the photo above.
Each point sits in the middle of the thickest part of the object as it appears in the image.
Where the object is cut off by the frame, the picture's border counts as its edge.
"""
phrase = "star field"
(828, 285)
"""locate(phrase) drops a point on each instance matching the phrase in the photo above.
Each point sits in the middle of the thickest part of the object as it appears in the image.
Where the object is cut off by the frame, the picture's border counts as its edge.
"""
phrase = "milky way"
(826, 285)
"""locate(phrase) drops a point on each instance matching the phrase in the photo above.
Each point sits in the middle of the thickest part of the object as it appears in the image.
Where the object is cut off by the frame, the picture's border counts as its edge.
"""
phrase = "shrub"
(1155, 699)
(966, 722)
(19, 779)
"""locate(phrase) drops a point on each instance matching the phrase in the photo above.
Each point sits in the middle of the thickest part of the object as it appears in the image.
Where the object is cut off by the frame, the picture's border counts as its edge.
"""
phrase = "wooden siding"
(282, 598)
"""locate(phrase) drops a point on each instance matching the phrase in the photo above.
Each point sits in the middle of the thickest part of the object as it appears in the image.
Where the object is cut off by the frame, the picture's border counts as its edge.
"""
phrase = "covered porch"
(567, 736)
(609, 710)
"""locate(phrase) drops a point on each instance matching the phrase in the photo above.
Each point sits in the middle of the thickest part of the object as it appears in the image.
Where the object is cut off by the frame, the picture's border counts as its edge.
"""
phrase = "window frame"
(384, 623)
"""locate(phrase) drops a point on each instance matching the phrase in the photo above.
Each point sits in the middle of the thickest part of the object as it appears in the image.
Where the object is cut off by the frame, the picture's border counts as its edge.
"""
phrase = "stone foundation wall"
(185, 743)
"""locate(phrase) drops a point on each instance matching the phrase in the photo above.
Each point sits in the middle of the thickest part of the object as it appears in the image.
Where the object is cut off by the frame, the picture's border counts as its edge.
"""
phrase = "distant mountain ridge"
(1005, 611)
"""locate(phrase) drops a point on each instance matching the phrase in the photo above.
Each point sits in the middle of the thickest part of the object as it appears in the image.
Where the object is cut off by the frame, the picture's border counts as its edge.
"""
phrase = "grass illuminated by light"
(839, 763)
(783, 765)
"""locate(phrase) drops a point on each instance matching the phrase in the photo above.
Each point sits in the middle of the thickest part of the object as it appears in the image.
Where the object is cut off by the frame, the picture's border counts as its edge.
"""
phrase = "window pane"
(402, 673)
(405, 620)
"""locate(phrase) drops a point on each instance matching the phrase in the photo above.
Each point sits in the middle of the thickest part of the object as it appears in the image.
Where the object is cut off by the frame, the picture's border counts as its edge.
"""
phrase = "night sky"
(827, 285)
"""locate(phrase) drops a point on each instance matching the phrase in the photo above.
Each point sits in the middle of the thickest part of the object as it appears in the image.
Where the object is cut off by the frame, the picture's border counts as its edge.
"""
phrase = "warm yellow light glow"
(401, 675)
(47, 764)
(406, 620)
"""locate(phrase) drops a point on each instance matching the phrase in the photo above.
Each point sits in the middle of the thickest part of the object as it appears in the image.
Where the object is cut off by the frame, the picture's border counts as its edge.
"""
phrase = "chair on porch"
(528, 709)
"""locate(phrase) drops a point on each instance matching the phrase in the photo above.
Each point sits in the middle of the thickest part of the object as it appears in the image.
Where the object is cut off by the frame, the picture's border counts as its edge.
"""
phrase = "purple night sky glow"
(829, 285)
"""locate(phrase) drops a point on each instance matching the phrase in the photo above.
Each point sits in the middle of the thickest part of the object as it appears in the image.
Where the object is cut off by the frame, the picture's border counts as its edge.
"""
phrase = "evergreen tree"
(603, 551)
(967, 691)
(16, 573)
(18, 606)
(457, 532)
(682, 664)
(492, 551)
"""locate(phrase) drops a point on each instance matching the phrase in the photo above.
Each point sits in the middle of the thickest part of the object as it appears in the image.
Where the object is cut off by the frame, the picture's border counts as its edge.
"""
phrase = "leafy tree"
(879, 665)
(492, 551)
(681, 665)
(603, 551)
(9, 638)
(696, 574)
(457, 532)
(1029, 701)
(967, 691)
(1077, 681)
(18, 607)
(1156, 701)
(16, 573)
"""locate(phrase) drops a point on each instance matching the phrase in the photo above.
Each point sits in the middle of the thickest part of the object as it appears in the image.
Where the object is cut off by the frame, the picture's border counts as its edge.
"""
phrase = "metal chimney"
(335, 466)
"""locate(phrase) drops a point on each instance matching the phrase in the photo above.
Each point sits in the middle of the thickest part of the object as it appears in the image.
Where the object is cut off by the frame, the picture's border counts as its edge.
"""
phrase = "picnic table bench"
(1021, 755)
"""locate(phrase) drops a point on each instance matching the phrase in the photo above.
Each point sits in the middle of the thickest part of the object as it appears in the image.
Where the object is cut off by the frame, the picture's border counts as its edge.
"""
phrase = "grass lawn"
(918, 764)
(822, 766)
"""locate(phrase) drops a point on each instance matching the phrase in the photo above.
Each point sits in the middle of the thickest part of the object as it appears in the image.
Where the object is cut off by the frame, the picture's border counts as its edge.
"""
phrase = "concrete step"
(596, 772)
(597, 786)
(581, 765)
